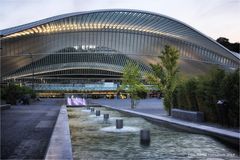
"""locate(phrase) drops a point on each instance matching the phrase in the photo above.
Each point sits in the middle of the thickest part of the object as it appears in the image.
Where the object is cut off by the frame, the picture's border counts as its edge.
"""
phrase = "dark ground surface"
(26, 129)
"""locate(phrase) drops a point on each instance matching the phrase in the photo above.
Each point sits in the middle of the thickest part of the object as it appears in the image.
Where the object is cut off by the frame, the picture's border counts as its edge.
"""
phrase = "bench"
(188, 115)
(5, 106)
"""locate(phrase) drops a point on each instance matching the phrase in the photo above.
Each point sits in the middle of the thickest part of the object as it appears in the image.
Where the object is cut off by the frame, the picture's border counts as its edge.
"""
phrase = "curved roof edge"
(12, 30)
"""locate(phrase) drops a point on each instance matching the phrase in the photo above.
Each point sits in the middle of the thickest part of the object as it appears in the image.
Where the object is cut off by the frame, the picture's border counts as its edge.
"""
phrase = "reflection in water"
(93, 139)
(124, 129)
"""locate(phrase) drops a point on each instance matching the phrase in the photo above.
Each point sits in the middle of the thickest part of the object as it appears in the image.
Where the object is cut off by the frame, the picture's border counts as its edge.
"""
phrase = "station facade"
(94, 46)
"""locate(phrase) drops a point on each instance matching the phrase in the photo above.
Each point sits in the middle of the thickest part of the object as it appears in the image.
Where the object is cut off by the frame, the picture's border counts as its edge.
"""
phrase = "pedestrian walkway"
(26, 129)
(152, 106)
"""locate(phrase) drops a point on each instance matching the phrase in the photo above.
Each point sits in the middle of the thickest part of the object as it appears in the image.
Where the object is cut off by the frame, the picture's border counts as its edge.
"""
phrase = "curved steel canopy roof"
(125, 19)
(117, 19)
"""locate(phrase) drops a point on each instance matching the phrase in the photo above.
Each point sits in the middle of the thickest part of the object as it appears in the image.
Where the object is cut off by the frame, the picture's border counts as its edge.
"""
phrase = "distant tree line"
(235, 47)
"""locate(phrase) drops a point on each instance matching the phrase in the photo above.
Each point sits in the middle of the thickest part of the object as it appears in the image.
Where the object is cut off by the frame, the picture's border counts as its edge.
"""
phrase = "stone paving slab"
(45, 124)
(51, 113)
(25, 149)
(20, 139)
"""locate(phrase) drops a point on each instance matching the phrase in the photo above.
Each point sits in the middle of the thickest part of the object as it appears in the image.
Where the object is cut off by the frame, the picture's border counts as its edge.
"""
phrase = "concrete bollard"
(119, 123)
(97, 112)
(88, 108)
(92, 109)
(105, 117)
(145, 137)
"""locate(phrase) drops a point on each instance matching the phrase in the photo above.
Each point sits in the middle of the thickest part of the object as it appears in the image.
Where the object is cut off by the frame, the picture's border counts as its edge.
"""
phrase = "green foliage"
(202, 93)
(165, 74)
(230, 92)
(191, 92)
(235, 47)
(142, 94)
(12, 92)
(132, 82)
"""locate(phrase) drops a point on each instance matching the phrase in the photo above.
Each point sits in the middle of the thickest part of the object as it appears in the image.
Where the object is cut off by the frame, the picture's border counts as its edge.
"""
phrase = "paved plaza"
(152, 106)
(26, 129)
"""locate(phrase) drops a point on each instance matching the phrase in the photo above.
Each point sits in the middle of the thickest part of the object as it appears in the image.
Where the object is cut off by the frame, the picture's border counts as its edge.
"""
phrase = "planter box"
(188, 115)
(5, 106)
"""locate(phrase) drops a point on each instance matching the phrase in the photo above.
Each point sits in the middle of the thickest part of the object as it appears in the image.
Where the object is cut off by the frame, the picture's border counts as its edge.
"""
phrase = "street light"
(32, 71)
(1, 54)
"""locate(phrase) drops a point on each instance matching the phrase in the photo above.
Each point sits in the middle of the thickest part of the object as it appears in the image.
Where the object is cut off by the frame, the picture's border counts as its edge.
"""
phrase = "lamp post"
(1, 53)
(32, 71)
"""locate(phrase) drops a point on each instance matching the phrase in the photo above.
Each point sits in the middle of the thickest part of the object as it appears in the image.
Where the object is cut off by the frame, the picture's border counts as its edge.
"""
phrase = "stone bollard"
(119, 123)
(105, 117)
(145, 137)
(92, 109)
(97, 112)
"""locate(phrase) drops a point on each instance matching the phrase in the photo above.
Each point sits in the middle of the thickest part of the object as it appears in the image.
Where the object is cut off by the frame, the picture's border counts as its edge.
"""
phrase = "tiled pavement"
(26, 129)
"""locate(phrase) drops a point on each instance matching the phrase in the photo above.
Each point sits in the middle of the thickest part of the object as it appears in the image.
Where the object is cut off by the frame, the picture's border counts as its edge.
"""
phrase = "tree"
(164, 74)
(132, 82)
(235, 47)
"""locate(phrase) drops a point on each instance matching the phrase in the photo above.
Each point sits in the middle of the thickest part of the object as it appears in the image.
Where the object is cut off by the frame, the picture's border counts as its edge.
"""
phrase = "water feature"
(94, 139)
(76, 101)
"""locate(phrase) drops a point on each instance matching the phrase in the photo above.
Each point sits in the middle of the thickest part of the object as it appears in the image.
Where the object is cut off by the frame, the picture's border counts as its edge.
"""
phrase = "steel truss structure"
(100, 43)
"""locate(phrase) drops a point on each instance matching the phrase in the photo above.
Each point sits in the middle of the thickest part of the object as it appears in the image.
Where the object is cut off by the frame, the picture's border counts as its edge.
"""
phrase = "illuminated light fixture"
(35, 30)
(43, 27)
(39, 29)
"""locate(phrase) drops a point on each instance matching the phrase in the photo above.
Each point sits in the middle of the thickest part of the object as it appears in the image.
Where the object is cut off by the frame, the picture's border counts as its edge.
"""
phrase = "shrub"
(12, 92)
(202, 93)
(230, 92)
(142, 94)
(191, 89)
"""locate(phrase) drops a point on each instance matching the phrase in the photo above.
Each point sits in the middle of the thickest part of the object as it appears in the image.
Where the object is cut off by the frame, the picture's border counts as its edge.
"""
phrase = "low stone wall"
(188, 115)
(60, 146)
(5, 106)
(88, 105)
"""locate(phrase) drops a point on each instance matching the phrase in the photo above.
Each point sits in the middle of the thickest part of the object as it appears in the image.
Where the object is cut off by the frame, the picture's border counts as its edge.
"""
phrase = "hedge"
(202, 93)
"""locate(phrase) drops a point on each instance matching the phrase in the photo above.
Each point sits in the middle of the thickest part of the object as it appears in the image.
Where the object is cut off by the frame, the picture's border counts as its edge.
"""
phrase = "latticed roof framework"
(105, 40)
